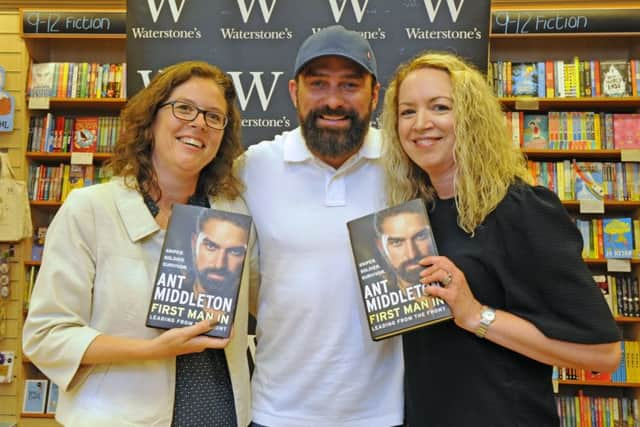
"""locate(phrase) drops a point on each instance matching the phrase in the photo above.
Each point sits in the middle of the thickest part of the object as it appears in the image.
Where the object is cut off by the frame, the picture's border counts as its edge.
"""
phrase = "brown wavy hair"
(132, 153)
(487, 162)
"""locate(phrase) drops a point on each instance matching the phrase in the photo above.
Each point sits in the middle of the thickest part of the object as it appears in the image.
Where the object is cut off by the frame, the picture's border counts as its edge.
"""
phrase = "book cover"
(614, 78)
(588, 180)
(200, 268)
(536, 131)
(85, 134)
(41, 79)
(35, 396)
(618, 237)
(626, 131)
(386, 247)
(524, 79)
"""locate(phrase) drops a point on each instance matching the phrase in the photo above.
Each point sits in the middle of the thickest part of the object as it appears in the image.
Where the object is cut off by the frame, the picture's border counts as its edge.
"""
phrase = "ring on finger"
(448, 278)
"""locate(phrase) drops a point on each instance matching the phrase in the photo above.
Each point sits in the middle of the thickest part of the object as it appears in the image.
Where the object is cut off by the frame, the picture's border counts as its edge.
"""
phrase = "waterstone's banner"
(256, 42)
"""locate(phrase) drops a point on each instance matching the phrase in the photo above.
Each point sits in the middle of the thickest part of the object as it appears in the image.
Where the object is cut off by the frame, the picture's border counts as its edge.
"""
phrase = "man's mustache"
(326, 111)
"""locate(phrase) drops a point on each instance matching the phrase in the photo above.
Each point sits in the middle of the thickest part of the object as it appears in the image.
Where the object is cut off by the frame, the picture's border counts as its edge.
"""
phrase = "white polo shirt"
(316, 364)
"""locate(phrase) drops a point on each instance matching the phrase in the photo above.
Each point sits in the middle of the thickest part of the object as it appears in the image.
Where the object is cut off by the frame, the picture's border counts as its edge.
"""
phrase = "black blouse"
(525, 259)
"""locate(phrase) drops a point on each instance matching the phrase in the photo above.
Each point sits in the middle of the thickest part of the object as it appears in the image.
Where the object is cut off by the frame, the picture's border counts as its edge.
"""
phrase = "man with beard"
(316, 364)
(219, 246)
(403, 239)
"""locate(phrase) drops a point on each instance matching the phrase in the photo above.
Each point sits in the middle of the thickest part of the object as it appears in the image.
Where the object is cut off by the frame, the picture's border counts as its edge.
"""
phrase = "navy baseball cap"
(336, 40)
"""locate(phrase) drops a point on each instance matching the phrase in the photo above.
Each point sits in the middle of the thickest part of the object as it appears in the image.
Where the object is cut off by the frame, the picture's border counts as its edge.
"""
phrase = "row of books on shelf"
(591, 411)
(612, 238)
(628, 370)
(77, 80)
(573, 78)
(53, 183)
(52, 134)
(574, 130)
(621, 293)
(574, 180)
(40, 397)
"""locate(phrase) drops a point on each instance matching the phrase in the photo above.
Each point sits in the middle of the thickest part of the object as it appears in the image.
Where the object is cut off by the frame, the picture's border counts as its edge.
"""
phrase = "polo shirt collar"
(296, 150)
(136, 218)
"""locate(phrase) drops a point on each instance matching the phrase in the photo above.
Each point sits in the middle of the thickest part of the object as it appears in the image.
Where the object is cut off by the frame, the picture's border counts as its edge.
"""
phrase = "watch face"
(488, 315)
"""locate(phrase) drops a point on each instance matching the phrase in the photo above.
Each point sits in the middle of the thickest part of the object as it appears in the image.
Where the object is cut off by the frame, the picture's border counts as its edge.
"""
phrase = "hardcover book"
(52, 398)
(200, 268)
(386, 248)
(618, 237)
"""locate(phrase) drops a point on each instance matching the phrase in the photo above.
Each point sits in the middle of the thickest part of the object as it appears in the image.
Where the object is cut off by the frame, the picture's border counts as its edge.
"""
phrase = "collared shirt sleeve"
(56, 332)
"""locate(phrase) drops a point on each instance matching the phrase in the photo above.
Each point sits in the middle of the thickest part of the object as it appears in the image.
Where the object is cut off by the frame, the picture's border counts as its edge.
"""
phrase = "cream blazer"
(96, 279)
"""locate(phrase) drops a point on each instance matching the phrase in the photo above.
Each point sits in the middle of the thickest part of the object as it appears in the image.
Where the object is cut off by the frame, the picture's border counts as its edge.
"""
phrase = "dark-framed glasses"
(188, 112)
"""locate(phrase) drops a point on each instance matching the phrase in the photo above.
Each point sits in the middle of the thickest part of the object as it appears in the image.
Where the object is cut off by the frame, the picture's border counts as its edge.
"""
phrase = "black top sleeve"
(544, 277)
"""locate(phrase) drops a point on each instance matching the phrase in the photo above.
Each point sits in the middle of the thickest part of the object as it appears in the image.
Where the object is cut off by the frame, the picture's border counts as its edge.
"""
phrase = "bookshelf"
(98, 57)
(603, 37)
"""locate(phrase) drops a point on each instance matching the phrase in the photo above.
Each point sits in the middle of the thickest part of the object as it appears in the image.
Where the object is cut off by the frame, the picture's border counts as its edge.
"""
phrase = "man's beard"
(214, 286)
(334, 143)
(410, 276)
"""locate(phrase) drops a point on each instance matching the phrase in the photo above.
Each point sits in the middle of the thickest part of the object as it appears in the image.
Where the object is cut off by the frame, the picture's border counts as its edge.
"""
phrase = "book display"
(568, 78)
(74, 91)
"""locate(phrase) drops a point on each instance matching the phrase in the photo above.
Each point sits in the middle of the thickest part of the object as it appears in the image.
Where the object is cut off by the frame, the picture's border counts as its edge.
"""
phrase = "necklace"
(194, 199)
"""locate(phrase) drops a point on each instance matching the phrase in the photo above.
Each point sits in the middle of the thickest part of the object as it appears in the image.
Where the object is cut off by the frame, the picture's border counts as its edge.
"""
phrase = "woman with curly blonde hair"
(86, 324)
(510, 258)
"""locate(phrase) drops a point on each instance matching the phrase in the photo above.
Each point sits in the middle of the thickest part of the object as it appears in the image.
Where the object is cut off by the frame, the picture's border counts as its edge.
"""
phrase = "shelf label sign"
(73, 22)
(565, 21)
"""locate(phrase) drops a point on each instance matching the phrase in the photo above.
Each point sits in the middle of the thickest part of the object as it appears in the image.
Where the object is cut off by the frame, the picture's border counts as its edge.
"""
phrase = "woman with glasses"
(86, 324)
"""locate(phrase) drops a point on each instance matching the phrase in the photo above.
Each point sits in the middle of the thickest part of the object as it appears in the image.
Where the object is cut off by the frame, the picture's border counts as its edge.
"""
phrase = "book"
(41, 79)
(626, 131)
(35, 396)
(200, 268)
(536, 131)
(394, 299)
(52, 398)
(524, 79)
(85, 134)
(618, 237)
(614, 78)
(588, 180)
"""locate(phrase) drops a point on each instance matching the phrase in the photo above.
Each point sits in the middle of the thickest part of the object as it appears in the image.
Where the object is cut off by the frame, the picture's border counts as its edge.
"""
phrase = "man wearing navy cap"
(316, 364)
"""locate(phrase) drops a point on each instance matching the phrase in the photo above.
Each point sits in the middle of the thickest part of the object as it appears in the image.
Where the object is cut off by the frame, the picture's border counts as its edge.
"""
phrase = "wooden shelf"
(31, 263)
(598, 383)
(615, 205)
(23, 415)
(603, 261)
(45, 203)
(45, 157)
(570, 154)
(623, 319)
(108, 104)
(625, 103)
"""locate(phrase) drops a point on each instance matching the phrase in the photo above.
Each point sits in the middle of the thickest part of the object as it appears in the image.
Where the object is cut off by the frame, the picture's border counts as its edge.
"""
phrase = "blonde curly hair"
(487, 162)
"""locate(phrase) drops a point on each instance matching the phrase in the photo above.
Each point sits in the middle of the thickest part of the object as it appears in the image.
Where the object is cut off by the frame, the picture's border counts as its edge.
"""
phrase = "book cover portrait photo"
(200, 269)
(387, 246)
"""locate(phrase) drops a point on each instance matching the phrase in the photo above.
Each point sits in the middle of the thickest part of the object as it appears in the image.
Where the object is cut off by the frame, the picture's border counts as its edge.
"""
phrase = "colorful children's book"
(85, 134)
(524, 79)
(536, 131)
(618, 237)
(588, 180)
